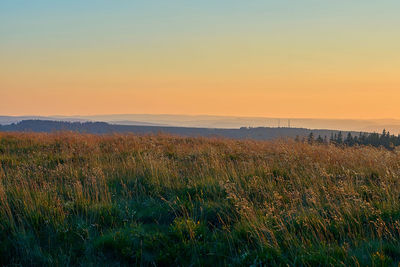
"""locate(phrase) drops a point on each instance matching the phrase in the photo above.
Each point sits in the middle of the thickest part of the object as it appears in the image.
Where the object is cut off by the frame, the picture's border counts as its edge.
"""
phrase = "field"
(73, 199)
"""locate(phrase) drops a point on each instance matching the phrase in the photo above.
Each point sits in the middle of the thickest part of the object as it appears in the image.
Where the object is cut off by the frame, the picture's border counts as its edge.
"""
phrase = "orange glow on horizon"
(338, 64)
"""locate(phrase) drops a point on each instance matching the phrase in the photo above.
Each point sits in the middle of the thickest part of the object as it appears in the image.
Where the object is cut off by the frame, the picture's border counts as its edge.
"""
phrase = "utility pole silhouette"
(279, 123)
(288, 123)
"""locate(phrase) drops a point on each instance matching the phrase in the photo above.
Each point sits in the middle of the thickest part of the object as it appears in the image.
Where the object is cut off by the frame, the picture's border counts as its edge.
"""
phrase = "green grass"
(83, 200)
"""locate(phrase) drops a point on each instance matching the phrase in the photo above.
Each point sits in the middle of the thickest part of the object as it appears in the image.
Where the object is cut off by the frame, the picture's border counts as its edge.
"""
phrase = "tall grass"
(74, 199)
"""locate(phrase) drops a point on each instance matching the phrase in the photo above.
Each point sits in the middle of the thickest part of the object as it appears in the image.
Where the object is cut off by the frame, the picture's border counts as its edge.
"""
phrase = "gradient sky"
(282, 58)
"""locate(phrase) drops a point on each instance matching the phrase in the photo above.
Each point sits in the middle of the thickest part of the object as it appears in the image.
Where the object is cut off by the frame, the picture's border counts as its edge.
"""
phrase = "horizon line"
(204, 115)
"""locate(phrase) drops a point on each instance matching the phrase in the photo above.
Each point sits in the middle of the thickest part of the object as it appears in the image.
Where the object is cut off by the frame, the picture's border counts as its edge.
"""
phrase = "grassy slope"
(69, 199)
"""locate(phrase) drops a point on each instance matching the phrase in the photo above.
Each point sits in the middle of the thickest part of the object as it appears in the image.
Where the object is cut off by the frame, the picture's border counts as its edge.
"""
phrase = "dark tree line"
(385, 139)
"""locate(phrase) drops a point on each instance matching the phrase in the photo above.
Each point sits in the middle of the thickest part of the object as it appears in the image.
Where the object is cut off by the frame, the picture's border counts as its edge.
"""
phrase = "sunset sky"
(282, 58)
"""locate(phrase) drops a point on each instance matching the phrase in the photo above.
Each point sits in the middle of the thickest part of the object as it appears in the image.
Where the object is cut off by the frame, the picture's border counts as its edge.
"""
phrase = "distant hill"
(231, 122)
(5, 120)
(222, 122)
(136, 123)
(259, 133)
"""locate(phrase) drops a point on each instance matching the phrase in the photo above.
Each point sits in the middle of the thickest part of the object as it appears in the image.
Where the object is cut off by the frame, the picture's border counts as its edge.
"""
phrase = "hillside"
(260, 133)
(71, 199)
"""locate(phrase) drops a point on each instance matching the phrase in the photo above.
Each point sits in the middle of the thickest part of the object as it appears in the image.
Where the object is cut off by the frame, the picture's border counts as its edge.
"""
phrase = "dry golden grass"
(74, 199)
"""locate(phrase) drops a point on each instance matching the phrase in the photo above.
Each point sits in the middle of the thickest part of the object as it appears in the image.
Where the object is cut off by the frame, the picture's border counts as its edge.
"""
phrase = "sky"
(282, 58)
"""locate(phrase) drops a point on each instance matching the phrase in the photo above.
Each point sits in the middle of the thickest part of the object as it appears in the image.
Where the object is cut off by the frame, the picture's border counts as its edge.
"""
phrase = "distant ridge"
(259, 133)
(222, 122)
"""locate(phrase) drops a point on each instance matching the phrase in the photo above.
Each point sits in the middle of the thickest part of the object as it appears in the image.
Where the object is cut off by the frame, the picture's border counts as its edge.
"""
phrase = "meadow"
(116, 200)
